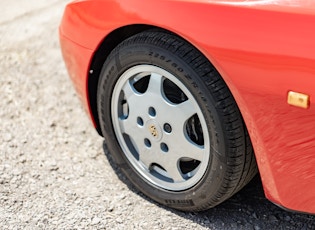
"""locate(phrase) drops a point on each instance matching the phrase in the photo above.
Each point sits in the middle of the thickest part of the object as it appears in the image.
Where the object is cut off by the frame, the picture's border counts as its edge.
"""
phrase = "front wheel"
(171, 124)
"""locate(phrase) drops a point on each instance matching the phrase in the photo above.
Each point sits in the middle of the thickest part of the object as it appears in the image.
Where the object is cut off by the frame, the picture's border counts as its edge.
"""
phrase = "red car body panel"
(263, 49)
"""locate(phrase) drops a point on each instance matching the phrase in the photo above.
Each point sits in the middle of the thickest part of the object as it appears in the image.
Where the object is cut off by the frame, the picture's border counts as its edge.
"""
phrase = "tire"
(171, 124)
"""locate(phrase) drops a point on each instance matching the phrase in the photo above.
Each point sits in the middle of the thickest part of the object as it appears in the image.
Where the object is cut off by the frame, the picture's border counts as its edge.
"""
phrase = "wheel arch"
(104, 49)
(99, 57)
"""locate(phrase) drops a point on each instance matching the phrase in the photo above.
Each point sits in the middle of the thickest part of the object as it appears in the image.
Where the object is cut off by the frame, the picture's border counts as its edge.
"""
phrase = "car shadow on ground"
(248, 209)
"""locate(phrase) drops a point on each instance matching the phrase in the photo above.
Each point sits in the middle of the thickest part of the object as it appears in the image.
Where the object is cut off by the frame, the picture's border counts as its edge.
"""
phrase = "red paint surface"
(263, 49)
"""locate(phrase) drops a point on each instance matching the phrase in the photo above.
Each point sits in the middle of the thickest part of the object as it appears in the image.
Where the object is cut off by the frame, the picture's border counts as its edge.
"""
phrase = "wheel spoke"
(183, 111)
(146, 156)
(128, 127)
(170, 163)
(155, 84)
(173, 170)
(128, 90)
(192, 150)
(134, 99)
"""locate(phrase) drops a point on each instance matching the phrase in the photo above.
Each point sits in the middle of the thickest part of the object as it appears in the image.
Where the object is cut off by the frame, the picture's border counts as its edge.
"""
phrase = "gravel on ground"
(54, 168)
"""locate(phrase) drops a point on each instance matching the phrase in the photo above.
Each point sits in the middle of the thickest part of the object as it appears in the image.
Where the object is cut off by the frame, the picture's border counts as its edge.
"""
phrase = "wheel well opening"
(100, 56)
(107, 45)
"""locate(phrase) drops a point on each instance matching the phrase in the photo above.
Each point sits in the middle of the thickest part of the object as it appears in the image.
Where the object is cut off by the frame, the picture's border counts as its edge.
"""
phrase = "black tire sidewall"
(128, 55)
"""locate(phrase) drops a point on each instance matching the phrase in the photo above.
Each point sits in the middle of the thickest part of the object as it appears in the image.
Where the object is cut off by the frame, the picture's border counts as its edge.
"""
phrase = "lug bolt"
(167, 128)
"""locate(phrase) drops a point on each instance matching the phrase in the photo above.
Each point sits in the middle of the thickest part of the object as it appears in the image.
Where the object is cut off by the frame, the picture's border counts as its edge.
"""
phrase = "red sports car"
(192, 95)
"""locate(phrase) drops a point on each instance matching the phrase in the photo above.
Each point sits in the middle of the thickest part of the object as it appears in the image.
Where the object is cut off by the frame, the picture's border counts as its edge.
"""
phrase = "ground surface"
(54, 173)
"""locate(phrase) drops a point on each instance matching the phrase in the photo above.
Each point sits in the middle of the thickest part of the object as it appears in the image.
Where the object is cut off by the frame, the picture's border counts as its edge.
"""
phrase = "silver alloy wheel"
(160, 128)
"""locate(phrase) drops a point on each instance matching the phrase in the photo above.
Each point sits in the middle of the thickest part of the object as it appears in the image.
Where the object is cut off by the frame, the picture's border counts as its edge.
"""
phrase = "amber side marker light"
(298, 99)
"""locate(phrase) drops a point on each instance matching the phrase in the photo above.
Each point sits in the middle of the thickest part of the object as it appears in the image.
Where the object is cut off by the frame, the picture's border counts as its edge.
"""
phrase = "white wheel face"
(160, 128)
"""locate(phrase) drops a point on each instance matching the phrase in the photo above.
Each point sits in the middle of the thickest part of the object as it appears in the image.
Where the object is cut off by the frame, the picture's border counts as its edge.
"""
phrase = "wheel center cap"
(154, 129)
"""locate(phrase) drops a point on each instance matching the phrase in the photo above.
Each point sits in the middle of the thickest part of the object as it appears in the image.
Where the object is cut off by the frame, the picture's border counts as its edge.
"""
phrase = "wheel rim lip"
(137, 165)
